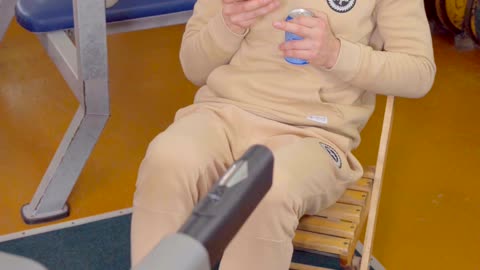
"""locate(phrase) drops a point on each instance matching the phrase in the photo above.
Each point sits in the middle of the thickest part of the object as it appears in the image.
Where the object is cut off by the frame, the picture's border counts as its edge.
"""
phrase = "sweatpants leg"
(182, 163)
(306, 180)
(179, 168)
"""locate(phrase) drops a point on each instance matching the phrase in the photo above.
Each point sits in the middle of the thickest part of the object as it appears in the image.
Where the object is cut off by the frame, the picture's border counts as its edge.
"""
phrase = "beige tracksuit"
(310, 118)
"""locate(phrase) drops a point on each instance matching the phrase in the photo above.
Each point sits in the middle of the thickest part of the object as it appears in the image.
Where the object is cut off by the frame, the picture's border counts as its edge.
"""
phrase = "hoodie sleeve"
(207, 42)
(405, 67)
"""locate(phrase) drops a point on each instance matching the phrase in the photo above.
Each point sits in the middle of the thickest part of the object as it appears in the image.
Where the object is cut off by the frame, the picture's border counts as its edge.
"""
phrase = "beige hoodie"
(386, 48)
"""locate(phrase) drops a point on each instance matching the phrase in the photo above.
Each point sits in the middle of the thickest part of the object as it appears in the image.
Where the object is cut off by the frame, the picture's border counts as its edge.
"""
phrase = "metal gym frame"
(82, 61)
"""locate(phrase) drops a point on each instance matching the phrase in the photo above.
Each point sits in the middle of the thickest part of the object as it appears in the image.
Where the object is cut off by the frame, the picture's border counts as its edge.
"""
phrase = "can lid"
(300, 12)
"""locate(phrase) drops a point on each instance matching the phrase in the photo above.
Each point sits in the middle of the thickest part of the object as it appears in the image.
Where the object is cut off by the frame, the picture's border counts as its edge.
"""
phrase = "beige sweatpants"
(183, 162)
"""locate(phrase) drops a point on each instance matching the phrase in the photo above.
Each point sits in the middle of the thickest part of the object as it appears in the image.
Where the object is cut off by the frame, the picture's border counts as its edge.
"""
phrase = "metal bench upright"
(82, 60)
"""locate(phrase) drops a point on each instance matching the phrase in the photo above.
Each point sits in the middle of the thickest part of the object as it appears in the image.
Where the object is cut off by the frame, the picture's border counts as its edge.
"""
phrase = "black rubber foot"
(28, 219)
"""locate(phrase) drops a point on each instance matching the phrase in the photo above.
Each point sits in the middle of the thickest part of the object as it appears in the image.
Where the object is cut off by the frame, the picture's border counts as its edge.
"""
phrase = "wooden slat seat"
(327, 226)
(317, 242)
(364, 184)
(342, 211)
(298, 266)
(354, 197)
(335, 230)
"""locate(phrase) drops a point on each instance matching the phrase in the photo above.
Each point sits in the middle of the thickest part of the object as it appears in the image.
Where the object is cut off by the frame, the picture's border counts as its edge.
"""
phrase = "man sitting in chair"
(307, 100)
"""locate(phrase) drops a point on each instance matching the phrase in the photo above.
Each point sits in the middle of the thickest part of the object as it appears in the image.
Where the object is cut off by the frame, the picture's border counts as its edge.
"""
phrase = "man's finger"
(255, 13)
(253, 4)
(306, 21)
(305, 44)
(238, 7)
(319, 14)
(299, 54)
(294, 28)
(232, 1)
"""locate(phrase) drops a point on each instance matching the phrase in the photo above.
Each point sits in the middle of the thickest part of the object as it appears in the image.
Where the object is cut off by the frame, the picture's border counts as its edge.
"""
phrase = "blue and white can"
(290, 36)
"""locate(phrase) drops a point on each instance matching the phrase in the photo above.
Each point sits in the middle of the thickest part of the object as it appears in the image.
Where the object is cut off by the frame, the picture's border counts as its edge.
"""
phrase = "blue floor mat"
(102, 245)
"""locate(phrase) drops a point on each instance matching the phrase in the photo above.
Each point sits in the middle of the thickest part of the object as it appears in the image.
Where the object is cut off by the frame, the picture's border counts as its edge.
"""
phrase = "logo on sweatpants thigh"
(341, 6)
(335, 156)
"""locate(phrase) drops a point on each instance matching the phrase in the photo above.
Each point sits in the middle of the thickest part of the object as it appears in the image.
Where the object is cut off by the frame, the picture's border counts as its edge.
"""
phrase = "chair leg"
(49, 201)
(353, 264)
(356, 262)
(346, 262)
(7, 11)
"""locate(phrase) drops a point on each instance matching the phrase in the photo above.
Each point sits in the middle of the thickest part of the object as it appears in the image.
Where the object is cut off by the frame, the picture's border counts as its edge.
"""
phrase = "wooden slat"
(321, 243)
(325, 226)
(364, 184)
(341, 211)
(299, 266)
(354, 197)
(347, 260)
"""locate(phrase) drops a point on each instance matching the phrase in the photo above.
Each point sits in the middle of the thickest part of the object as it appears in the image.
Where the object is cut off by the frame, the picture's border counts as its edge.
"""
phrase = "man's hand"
(319, 46)
(239, 15)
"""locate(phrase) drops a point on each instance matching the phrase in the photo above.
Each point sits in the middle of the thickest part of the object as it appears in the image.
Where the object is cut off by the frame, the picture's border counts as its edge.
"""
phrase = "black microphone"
(219, 216)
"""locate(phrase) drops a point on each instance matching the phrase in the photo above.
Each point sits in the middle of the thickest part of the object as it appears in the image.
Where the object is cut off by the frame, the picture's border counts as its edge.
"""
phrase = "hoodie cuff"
(348, 61)
(225, 38)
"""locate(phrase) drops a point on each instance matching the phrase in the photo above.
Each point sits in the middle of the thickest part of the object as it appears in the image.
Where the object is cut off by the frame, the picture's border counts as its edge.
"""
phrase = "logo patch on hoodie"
(335, 156)
(341, 6)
